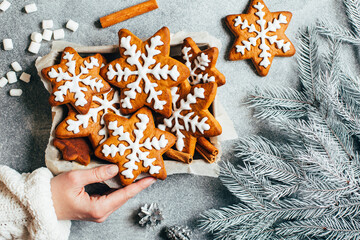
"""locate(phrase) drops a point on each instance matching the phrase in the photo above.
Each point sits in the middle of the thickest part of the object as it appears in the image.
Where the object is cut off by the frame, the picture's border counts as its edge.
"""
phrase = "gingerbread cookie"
(75, 80)
(74, 149)
(191, 118)
(91, 124)
(260, 36)
(135, 145)
(145, 72)
(201, 63)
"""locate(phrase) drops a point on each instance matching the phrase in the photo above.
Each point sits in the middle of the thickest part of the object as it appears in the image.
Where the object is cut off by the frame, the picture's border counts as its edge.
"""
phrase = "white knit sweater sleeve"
(26, 207)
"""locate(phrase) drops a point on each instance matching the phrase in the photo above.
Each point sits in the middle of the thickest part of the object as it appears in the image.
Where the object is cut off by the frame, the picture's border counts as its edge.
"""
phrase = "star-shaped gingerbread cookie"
(145, 72)
(91, 124)
(202, 64)
(75, 80)
(191, 118)
(135, 145)
(74, 149)
(260, 36)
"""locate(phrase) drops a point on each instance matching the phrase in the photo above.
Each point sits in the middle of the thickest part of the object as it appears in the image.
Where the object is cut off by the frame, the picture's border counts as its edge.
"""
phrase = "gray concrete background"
(25, 121)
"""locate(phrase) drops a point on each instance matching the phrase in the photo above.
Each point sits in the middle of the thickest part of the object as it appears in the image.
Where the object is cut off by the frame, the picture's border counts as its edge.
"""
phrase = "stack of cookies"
(138, 107)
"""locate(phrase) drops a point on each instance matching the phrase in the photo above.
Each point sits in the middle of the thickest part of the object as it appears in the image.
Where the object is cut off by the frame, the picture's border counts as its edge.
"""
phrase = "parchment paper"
(198, 166)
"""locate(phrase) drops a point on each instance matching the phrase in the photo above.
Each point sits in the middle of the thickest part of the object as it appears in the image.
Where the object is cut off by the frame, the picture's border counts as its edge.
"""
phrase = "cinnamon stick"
(128, 13)
(179, 156)
(207, 149)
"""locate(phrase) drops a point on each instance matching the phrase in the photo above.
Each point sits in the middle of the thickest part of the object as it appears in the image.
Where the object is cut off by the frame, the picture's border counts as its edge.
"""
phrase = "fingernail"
(112, 170)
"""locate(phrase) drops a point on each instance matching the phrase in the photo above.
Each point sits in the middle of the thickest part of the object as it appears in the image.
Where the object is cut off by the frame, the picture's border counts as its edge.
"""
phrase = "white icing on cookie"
(262, 35)
(200, 62)
(106, 106)
(145, 65)
(136, 147)
(191, 122)
(75, 83)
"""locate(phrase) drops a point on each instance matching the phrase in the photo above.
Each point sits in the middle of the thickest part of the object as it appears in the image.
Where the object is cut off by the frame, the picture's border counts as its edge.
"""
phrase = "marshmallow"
(11, 76)
(8, 44)
(30, 8)
(3, 82)
(36, 37)
(16, 66)
(25, 77)
(47, 24)
(4, 5)
(16, 92)
(34, 47)
(72, 25)
(47, 35)
(59, 34)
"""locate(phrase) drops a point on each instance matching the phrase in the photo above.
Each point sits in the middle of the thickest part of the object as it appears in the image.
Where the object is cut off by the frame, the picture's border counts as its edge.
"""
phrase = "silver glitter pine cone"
(178, 233)
(150, 215)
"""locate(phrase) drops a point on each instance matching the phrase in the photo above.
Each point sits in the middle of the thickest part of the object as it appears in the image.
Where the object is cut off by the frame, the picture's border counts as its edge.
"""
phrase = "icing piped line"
(105, 105)
(73, 81)
(262, 35)
(143, 69)
(201, 62)
(137, 154)
(191, 121)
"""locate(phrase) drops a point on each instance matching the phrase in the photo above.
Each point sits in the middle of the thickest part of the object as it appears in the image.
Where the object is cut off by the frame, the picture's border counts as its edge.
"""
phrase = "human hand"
(71, 202)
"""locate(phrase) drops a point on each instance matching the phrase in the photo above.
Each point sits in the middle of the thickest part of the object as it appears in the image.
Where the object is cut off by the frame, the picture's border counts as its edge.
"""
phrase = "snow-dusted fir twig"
(341, 33)
(308, 188)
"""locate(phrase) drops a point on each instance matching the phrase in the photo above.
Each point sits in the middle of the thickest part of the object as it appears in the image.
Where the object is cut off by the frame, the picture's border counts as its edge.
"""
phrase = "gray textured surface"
(25, 122)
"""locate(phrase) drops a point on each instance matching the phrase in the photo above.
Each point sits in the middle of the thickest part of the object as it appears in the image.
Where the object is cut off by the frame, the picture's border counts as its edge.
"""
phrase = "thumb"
(96, 175)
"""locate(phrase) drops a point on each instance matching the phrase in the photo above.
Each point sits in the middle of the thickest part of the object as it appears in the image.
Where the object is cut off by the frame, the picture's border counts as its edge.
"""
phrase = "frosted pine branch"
(269, 159)
(350, 92)
(220, 220)
(329, 228)
(274, 102)
(262, 230)
(323, 189)
(308, 63)
(346, 208)
(243, 185)
(347, 103)
(308, 188)
(353, 13)
(338, 32)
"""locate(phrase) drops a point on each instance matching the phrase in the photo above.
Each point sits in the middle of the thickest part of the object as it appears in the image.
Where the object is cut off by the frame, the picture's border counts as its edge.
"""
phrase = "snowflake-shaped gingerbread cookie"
(75, 80)
(91, 124)
(201, 63)
(145, 72)
(260, 36)
(135, 145)
(191, 118)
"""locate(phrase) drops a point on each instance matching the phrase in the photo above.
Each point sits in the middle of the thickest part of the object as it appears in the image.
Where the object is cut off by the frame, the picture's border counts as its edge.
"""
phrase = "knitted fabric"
(26, 207)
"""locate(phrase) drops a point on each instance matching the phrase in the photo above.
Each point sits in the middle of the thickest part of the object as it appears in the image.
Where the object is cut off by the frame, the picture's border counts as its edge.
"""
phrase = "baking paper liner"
(197, 167)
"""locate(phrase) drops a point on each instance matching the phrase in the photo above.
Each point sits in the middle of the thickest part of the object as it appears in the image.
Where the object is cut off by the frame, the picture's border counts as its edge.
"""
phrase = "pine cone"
(150, 215)
(178, 233)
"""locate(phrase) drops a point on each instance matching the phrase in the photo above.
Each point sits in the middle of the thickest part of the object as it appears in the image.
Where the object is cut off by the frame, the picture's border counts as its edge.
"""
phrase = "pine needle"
(308, 188)
(335, 31)
(308, 63)
(353, 13)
